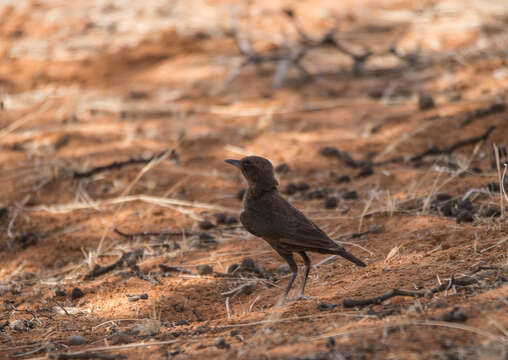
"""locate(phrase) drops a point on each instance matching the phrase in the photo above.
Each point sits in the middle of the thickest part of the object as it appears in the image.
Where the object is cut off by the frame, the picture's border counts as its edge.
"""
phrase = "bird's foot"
(301, 297)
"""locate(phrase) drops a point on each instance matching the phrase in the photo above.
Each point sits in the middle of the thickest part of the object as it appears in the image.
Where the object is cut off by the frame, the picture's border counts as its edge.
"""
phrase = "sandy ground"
(115, 119)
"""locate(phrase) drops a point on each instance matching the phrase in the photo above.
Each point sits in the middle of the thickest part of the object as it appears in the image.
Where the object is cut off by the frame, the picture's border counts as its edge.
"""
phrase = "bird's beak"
(235, 163)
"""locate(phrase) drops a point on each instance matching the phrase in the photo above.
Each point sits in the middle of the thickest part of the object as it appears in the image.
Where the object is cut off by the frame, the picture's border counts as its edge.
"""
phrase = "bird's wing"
(295, 229)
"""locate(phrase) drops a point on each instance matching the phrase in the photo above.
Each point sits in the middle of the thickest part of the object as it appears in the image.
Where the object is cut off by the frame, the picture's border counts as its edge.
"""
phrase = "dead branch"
(167, 268)
(448, 150)
(119, 164)
(150, 233)
(481, 112)
(129, 257)
(463, 281)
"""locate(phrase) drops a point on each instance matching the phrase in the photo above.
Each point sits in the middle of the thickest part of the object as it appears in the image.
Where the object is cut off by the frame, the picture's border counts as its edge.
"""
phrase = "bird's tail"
(348, 256)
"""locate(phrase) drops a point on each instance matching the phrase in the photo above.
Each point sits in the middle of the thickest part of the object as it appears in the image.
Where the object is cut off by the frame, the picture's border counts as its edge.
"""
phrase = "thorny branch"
(288, 56)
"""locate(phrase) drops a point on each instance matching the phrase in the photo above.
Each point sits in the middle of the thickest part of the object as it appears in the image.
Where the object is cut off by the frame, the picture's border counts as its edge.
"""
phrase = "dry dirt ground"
(116, 117)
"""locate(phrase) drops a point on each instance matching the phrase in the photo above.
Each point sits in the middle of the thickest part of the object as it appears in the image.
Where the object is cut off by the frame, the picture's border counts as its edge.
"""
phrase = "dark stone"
(206, 225)
(231, 220)
(329, 151)
(350, 195)
(315, 194)
(366, 171)
(232, 268)
(442, 197)
(492, 211)
(457, 314)
(331, 202)
(77, 340)
(343, 179)
(220, 218)
(220, 343)
(425, 101)
(76, 293)
(59, 292)
(282, 168)
(181, 323)
(464, 216)
(290, 189)
(302, 186)
(204, 269)
(248, 265)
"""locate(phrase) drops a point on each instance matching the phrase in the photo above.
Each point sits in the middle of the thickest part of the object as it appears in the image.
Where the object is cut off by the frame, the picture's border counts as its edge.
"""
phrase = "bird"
(266, 214)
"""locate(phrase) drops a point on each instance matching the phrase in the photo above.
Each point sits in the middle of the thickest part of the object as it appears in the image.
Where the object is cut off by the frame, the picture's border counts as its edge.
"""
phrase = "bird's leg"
(306, 260)
(294, 269)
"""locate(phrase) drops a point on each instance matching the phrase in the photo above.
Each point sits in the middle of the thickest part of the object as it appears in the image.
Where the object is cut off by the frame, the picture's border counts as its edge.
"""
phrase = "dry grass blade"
(500, 179)
(164, 202)
(491, 336)
(296, 318)
(118, 347)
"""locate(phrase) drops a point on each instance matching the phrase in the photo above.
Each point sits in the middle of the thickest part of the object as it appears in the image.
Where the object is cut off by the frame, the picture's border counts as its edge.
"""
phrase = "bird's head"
(257, 170)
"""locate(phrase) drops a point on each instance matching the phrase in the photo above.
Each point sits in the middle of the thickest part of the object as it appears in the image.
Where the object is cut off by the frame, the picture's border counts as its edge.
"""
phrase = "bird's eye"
(246, 163)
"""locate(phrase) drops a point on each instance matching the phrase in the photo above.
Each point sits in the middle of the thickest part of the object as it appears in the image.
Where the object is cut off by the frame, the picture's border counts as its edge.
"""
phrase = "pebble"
(331, 202)
(350, 195)
(205, 225)
(76, 293)
(220, 343)
(77, 340)
(204, 269)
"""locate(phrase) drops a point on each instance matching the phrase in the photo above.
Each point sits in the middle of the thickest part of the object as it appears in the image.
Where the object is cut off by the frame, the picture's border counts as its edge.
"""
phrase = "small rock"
(232, 268)
(234, 332)
(231, 220)
(456, 315)
(283, 269)
(167, 324)
(76, 293)
(206, 238)
(290, 189)
(446, 209)
(206, 225)
(442, 197)
(59, 292)
(329, 151)
(77, 340)
(375, 229)
(240, 194)
(493, 187)
(492, 211)
(425, 101)
(350, 195)
(464, 216)
(366, 171)
(315, 194)
(330, 343)
(248, 265)
(331, 202)
(18, 325)
(119, 338)
(439, 304)
(302, 186)
(343, 179)
(220, 218)
(146, 327)
(181, 323)
(204, 269)
(282, 168)
(220, 343)
(326, 307)
(465, 205)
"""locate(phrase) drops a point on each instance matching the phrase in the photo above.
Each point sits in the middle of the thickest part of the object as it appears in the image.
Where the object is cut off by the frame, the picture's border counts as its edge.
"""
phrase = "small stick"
(463, 281)
(227, 308)
(152, 233)
(117, 165)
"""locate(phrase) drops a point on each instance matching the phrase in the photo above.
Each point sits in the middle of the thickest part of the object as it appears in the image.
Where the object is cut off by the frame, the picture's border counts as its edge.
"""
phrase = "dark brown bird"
(268, 215)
